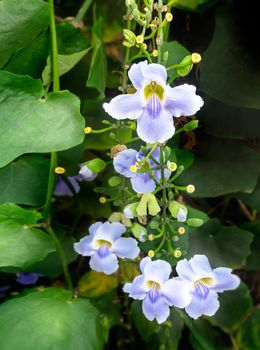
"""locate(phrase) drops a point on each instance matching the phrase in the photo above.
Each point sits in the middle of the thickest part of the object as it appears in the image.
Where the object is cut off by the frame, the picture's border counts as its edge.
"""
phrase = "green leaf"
(193, 5)
(94, 284)
(21, 244)
(223, 76)
(70, 39)
(253, 260)
(30, 60)
(176, 52)
(25, 181)
(20, 23)
(48, 320)
(32, 123)
(98, 68)
(248, 336)
(252, 199)
(228, 317)
(65, 63)
(217, 169)
(225, 246)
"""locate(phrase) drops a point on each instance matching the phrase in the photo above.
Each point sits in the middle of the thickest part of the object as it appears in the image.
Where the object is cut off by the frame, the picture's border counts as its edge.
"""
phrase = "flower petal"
(136, 289)
(177, 292)
(157, 271)
(143, 183)
(182, 100)
(154, 72)
(153, 129)
(84, 246)
(144, 262)
(200, 265)
(124, 160)
(94, 227)
(159, 309)
(125, 248)
(225, 280)
(62, 189)
(85, 174)
(135, 74)
(200, 306)
(110, 231)
(127, 106)
(185, 270)
(107, 265)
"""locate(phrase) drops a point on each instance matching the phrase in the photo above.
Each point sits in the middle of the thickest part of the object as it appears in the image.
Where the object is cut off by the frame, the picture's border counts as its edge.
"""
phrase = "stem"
(127, 56)
(54, 47)
(83, 9)
(62, 258)
(51, 184)
(160, 32)
(150, 153)
(100, 131)
(179, 65)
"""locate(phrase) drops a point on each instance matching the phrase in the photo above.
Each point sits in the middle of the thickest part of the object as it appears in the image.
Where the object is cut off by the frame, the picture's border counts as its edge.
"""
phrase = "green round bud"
(195, 222)
(114, 181)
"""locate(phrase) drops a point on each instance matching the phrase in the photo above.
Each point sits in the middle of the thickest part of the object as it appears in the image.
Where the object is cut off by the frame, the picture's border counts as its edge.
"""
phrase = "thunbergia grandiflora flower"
(104, 244)
(204, 283)
(142, 182)
(27, 278)
(157, 291)
(154, 103)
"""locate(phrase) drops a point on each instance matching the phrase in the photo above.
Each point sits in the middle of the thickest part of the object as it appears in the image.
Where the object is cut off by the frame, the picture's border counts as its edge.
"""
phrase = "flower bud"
(59, 170)
(151, 253)
(148, 201)
(171, 166)
(190, 188)
(139, 232)
(196, 58)
(192, 125)
(102, 200)
(183, 71)
(114, 181)
(178, 211)
(195, 222)
(181, 230)
(96, 165)
(168, 17)
(154, 224)
(130, 210)
(177, 253)
(116, 149)
(130, 37)
(115, 217)
(87, 130)
(155, 53)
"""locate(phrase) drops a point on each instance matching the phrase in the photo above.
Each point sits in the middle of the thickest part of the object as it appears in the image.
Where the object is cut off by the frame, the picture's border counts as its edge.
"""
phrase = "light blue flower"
(104, 244)
(154, 102)
(181, 215)
(157, 291)
(204, 284)
(142, 182)
(85, 174)
(62, 189)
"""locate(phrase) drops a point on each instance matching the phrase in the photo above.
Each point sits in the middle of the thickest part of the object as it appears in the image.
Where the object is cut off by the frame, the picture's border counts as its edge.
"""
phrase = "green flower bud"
(130, 210)
(195, 222)
(114, 181)
(176, 208)
(187, 62)
(139, 231)
(192, 125)
(165, 57)
(148, 201)
(130, 37)
(96, 165)
(115, 217)
(154, 224)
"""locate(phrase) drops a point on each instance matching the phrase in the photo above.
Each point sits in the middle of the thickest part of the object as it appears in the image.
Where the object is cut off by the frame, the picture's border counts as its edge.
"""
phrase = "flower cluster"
(195, 289)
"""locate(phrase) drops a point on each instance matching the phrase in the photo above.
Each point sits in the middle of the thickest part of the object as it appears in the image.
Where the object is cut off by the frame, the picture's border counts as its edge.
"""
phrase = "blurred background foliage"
(222, 160)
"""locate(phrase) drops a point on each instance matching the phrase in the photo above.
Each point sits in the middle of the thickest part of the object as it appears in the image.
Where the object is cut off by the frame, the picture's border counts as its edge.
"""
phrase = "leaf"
(25, 181)
(228, 317)
(48, 320)
(224, 76)
(70, 39)
(98, 68)
(248, 336)
(252, 199)
(224, 246)
(30, 60)
(94, 284)
(20, 23)
(65, 63)
(21, 244)
(253, 260)
(33, 124)
(217, 169)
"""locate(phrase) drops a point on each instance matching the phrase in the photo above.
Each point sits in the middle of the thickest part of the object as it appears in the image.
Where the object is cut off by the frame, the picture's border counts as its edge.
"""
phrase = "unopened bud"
(155, 53)
(87, 130)
(151, 237)
(96, 165)
(130, 210)
(139, 232)
(177, 253)
(59, 170)
(196, 58)
(130, 37)
(190, 189)
(139, 39)
(195, 222)
(114, 181)
(171, 166)
(151, 253)
(102, 200)
(181, 230)
(192, 125)
(148, 201)
(168, 17)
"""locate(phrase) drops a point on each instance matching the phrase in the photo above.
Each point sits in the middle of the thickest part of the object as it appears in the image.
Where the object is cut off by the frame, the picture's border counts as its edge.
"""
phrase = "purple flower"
(85, 174)
(181, 215)
(62, 189)
(156, 290)
(104, 244)
(154, 102)
(204, 284)
(142, 182)
(27, 278)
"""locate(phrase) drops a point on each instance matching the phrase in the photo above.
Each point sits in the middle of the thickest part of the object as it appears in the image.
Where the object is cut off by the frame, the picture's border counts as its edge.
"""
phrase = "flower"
(156, 290)
(104, 244)
(154, 102)
(85, 174)
(181, 215)
(142, 182)
(27, 278)
(204, 284)
(62, 189)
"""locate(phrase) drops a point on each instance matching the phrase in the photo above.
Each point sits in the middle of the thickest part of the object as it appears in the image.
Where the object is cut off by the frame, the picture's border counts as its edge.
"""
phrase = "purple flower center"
(201, 287)
(104, 248)
(154, 106)
(154, 292)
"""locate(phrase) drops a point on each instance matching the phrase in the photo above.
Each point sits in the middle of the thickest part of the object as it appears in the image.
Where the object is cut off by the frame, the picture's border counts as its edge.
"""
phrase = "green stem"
(103, 130)
(127, 56)
(160, 32)
(54, 47)
(62, 258)
(51, 184)
(179, 65)
(149, 154)
(83, 10)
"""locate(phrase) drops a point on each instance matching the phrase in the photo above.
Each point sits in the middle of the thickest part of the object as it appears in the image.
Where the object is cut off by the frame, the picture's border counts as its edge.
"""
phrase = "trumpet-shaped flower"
(27, 278)
(157, 291)
(142, 182)
(85, 174)
(104, 244)
(62, 189)
(204, 284)
(154, 103)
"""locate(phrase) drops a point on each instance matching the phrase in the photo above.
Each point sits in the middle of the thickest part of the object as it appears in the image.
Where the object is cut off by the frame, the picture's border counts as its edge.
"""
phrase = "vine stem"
(83, 10)
(53, 162)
